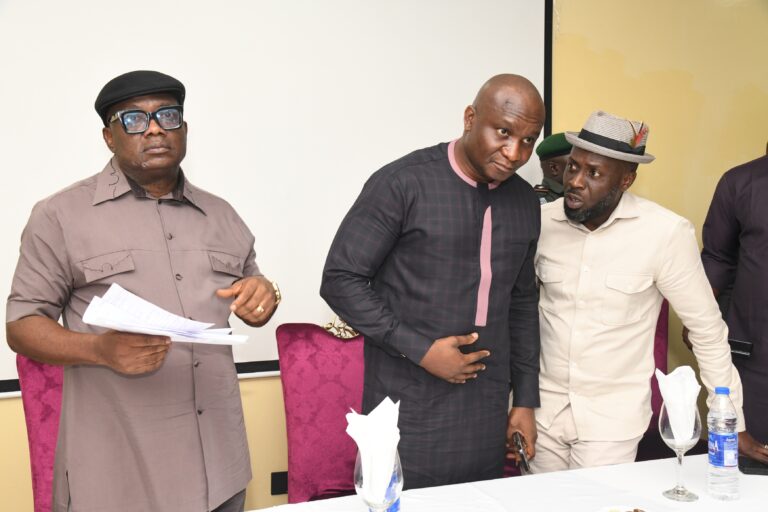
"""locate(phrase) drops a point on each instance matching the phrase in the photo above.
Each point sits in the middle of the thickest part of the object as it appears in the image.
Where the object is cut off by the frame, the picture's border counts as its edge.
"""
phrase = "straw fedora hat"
(614, 137)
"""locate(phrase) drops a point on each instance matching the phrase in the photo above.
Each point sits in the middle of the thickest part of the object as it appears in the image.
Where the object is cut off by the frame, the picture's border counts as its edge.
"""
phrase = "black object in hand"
(519, 447)
(752, 467)
(740, 349)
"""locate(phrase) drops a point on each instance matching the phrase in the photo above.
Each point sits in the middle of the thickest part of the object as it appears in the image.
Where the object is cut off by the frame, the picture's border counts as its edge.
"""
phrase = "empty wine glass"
(680, 446)
(394, 489)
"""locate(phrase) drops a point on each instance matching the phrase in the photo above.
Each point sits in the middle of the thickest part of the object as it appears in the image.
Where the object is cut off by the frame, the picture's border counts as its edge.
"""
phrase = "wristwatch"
(278, 295)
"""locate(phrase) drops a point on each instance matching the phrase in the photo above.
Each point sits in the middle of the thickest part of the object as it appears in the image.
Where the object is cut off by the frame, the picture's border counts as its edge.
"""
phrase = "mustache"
(584, 214)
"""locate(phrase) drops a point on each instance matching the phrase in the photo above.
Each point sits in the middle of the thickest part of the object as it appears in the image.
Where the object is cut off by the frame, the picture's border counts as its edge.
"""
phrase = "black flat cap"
(136, 83)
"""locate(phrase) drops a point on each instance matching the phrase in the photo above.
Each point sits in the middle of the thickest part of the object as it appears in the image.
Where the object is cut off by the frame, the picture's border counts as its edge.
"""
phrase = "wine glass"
(679, 492)
(391, 499)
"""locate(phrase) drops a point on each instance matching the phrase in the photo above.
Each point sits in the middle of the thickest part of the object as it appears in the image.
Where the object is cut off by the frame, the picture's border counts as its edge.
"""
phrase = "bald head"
(500, 129)
(513, 94)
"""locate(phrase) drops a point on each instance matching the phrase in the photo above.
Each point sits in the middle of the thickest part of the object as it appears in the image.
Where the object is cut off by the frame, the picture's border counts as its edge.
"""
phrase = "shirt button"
(581, 304)
(179, 277)
(585, 268)
(169, 236)
(196, 364)
(199, 411)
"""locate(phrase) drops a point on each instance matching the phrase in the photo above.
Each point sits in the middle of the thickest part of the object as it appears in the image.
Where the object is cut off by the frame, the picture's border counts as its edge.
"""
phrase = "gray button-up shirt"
(174, 439)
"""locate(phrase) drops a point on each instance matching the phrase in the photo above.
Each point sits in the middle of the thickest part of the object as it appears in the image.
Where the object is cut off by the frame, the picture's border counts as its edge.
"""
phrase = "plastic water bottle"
(723, 471)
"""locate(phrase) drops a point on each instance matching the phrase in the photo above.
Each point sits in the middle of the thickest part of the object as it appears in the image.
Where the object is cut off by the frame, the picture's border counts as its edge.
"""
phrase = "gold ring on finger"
(259, 309)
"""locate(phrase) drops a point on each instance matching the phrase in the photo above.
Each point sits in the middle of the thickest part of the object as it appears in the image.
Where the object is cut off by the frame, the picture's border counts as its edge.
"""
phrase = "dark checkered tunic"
(405, 270)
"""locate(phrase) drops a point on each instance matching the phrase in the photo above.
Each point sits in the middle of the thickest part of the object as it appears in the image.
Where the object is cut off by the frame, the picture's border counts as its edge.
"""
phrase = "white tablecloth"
(630, 486)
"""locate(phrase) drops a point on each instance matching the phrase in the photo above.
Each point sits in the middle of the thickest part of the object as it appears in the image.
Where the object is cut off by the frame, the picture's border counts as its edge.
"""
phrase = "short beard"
(582, 216)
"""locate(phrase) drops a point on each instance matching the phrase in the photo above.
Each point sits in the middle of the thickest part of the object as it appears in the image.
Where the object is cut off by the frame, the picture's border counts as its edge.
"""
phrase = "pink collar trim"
(455, 166)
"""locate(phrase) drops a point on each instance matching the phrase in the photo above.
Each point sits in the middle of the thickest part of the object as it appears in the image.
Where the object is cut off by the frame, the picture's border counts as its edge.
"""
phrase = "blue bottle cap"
(722, 390)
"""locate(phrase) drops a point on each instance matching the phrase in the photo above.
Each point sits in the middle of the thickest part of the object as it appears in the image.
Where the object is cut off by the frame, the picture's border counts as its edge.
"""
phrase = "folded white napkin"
(680, 390)
(376, 436)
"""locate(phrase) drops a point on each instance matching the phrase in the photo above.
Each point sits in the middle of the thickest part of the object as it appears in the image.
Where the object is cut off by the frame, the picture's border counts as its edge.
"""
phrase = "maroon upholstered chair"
(41, 395)
(322, 378)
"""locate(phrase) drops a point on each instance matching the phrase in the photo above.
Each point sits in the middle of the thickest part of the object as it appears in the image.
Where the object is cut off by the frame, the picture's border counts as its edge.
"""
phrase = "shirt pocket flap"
(549, 273)
(107, 265)
(226, 263)
(628, 283)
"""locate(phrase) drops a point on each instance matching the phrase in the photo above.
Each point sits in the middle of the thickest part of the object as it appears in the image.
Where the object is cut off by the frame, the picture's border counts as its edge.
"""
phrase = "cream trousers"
(559, 448)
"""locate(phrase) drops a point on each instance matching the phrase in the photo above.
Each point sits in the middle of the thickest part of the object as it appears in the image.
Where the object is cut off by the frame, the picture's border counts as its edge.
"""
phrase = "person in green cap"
(553, 155)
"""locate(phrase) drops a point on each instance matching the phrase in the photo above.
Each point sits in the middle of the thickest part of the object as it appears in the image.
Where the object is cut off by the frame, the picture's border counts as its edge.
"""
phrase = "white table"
(637, 485)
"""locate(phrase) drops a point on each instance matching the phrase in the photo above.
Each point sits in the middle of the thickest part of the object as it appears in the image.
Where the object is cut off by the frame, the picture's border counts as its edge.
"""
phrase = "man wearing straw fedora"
(606, 260)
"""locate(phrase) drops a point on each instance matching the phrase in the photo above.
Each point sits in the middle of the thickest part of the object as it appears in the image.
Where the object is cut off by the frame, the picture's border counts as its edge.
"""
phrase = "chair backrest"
(41, 386)
(322, 379)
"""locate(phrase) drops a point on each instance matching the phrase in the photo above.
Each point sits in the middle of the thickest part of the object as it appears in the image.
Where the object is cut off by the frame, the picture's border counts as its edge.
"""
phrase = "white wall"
(291, 105)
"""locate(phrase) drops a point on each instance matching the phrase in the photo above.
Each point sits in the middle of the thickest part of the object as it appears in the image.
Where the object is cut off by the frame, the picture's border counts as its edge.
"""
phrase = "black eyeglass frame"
(149, 115)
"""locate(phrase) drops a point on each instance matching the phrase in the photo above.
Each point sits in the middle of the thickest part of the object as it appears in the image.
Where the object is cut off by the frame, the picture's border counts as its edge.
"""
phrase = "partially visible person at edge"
(146, 424)
(553, 155)
(434, 265)
(605, 262)
(735, 236)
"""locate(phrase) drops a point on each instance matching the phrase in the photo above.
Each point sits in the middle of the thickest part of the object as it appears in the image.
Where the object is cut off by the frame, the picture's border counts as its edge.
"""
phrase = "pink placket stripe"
(484, 290)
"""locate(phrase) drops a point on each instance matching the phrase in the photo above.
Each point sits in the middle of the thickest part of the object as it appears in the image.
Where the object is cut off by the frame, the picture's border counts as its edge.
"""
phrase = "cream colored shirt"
(601, 292)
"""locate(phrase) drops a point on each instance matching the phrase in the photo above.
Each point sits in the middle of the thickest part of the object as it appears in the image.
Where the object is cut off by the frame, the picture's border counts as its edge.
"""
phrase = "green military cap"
(552, 146)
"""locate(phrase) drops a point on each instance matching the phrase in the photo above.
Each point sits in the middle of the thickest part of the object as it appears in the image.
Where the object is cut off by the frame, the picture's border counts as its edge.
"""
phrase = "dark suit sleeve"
(721, 237)
(366, 236)
(524, 334)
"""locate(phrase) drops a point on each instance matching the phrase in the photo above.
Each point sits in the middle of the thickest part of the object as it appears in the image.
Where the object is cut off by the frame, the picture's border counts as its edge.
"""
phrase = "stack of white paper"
(121, 310)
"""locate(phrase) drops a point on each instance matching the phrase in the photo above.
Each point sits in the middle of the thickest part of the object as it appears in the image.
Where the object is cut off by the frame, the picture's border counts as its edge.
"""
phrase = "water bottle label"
(723, 450)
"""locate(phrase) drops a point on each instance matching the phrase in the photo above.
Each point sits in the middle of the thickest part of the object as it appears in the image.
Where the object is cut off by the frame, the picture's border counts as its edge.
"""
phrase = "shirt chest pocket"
(550, 279)
(107, 265)
(627, 298)
(226, 266)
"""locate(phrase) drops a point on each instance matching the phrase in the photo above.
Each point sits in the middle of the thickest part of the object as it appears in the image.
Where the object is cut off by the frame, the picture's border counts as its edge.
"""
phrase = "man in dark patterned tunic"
(434, 265)
(735, 239)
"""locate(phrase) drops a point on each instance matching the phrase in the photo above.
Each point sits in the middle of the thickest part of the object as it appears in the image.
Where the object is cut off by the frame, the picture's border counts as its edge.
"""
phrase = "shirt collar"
(112, 183)
(626, 209)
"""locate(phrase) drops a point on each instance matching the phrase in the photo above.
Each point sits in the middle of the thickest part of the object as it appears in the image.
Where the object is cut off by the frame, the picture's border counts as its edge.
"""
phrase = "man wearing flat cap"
(606, 260)
(145, 424)
(553, 156)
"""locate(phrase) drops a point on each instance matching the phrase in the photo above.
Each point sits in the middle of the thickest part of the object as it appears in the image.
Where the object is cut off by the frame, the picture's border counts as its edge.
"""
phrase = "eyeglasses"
(137, 121)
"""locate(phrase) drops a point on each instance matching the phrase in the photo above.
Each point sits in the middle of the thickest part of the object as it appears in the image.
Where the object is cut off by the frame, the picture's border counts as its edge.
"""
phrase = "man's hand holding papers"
(123, 311)
(129, 353)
